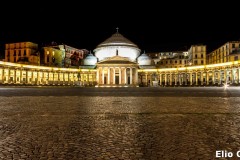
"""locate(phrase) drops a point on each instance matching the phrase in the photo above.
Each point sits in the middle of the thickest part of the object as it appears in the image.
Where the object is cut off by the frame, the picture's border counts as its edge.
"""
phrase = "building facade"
(228, 52)
(63, 56)
(22, 52)
(118, 62)
(174, 59)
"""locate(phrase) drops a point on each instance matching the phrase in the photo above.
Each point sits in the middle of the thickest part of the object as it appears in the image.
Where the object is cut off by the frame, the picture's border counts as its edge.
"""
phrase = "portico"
(117, 71)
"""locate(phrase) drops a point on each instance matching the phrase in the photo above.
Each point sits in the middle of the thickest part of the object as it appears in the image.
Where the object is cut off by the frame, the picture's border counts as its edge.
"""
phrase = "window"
(195, 62)
(195, 55)
(25, 52)
(201, 61)
(14, 54)
(175, 61)
(14, 59)
(19, 53)
(180, 61)
(233, 45)
(201, 55)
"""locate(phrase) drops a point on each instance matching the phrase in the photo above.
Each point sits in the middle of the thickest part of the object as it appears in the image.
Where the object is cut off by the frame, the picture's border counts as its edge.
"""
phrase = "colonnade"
(117, 76)
(214, 76)
(13, 73)
(17, 74)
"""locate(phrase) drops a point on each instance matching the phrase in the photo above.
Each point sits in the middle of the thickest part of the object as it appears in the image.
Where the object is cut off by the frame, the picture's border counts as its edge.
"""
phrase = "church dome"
(117, 43)
(144, 60)
(90, 60)
(116, 40)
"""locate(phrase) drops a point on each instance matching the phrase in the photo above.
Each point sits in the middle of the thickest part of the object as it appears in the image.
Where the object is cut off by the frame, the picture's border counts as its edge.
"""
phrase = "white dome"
(117, 43)
(90, 60)
(144, 60)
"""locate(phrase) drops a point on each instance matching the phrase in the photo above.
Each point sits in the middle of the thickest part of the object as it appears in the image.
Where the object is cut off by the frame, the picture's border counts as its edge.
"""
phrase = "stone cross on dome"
(117, 29)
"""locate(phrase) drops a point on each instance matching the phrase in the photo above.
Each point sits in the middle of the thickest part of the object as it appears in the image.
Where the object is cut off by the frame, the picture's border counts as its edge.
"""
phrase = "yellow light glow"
(167, 69)
(195, 67)
(219, 64)
(181, 69)
(150, 70)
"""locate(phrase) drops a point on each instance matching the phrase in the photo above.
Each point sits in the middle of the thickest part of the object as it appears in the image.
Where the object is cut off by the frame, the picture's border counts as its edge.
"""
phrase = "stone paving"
(73, 127)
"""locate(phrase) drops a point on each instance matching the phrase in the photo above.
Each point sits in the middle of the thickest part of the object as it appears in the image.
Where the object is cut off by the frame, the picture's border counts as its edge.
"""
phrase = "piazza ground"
(118, 123)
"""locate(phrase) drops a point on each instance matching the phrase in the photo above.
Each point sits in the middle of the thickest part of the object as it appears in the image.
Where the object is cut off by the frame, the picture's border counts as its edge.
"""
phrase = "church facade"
(118, 62)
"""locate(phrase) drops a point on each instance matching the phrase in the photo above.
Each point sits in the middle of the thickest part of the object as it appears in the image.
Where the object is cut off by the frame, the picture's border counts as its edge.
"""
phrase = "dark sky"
(153, 27)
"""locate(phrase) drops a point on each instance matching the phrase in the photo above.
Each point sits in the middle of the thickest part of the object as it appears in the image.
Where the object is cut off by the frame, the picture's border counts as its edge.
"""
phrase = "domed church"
(117, 60)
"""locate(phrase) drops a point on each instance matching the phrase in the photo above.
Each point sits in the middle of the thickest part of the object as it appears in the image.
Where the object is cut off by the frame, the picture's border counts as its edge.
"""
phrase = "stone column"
(88, 77)
(20, 75)
(160, 78)
(108, 75)
(196, 78)
(102, 75)
(170, 78)
(9, 75)
(201, 78)
(175, 78)
(2, 75)
(32, 77)
(131, 75)
(38, 77)
(180, 78)
(233, 75)
(146, 77)
(114, 77)
(97, 78)
(120, 75)
(26, 76)
(125, 71)
(165, 79)
(14, 76)
(63, 74)
(190, 77)
(213, 77)
(136, 76)
(68, 77)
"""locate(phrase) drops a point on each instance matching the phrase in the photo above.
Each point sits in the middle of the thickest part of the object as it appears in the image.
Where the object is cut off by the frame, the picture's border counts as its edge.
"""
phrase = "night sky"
(153, 27)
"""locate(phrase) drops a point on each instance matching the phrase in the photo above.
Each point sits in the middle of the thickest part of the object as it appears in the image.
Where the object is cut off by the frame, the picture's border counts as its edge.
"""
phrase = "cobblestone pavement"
(73, 127)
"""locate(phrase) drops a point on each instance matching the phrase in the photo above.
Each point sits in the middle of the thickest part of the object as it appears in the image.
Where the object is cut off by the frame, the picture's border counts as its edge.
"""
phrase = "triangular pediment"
(116, 60)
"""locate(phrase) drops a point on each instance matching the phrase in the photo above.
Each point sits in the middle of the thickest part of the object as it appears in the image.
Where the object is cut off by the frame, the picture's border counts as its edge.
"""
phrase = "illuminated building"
(22, 52)
(63, 56)
(174, 59)
(228, 52)
(117, 42)
(118, 62)
(196, 55)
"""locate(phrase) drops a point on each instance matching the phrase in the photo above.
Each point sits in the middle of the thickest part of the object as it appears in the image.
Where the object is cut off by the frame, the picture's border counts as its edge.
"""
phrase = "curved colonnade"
(13, 73)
